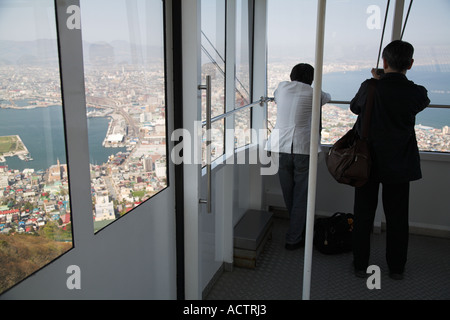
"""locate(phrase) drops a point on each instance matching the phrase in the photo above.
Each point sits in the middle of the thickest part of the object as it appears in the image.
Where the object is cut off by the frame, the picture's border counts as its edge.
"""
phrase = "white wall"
(133, 258)
(429, 197)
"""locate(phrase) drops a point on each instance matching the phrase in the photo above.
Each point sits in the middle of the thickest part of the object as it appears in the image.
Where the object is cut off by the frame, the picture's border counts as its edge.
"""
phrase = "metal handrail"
(437, 106)
(261, 103)
(208, 123)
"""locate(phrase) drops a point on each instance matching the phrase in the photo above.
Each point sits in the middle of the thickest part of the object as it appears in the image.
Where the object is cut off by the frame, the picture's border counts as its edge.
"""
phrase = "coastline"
(23, 153)
(28, 107)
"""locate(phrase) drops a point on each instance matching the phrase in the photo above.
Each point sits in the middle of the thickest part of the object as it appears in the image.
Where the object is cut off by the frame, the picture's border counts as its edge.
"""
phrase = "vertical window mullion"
(230, 85)
(73, 93)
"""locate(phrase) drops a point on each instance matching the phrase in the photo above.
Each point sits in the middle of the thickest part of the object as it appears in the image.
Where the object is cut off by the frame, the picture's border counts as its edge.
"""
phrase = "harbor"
(11, 146)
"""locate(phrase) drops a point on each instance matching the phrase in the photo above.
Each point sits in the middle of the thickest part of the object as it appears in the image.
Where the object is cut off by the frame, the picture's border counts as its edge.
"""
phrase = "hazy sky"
(102, 20)
(346, 20)
(292, 24)
(27, 20)
(109, 20)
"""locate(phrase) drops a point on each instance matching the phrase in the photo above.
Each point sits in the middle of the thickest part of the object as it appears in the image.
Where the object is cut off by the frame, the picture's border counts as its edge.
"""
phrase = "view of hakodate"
(338, 119)
(36, 202)
(128, 144)
(133, 100)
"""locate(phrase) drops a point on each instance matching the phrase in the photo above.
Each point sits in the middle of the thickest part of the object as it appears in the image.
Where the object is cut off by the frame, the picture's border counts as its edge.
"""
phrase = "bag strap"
(369, 107)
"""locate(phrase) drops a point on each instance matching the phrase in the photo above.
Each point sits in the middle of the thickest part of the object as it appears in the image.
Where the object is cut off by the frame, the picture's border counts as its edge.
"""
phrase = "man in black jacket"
(395, 156)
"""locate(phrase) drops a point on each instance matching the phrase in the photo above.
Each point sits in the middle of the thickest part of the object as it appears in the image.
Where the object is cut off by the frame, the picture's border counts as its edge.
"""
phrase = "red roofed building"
(66, 218)
(5, 212)
(9, 215)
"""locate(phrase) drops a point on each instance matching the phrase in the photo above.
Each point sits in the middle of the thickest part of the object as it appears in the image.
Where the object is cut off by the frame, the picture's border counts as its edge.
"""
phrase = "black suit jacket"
(392, 137)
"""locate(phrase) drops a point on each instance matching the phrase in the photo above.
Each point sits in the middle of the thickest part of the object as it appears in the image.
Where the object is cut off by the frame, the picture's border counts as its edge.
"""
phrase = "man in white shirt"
(292, 145)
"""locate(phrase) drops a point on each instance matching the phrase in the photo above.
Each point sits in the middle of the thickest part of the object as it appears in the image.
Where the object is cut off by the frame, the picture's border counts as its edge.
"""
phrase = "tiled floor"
(279, 273)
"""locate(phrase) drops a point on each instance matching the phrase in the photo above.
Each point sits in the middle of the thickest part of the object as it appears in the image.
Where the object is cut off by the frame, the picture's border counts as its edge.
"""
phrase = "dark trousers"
(293, 174)
(395, 199)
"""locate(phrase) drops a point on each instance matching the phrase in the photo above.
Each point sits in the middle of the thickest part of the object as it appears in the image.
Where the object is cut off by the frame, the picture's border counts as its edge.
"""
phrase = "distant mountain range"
(45, 52)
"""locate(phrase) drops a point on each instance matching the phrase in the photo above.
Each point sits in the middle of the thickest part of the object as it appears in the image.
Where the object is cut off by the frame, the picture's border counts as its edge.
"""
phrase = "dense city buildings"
(136, 109)
(337, 119)
(133, 99)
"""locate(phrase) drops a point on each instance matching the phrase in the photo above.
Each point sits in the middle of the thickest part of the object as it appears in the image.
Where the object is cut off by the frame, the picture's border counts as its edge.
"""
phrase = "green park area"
(10, 145)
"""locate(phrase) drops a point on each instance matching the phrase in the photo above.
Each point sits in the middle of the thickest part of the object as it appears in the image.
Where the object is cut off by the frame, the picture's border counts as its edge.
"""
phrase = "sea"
(42, 129)
(42, 132)
(344, 85)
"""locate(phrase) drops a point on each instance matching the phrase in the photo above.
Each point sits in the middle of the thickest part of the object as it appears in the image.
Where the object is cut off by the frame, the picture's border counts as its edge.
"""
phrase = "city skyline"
(124, 77)
(125, 82)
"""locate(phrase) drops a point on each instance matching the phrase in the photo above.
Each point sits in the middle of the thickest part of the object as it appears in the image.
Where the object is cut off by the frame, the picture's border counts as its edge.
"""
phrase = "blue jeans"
(293, 174)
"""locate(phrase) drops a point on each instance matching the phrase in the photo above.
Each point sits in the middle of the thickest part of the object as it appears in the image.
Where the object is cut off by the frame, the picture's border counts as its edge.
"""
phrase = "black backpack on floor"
(334, 234)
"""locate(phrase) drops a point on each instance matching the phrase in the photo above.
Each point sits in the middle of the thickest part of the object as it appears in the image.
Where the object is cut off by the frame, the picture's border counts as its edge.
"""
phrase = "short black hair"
(398, 55)
(303, 72)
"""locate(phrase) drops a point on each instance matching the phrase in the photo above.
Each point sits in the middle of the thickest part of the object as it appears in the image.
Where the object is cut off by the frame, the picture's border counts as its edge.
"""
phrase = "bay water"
(42, 129)
(42, 132)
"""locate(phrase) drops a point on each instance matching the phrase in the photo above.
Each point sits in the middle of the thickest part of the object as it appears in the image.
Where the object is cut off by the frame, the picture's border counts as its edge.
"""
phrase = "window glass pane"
(213, 51)
(217, 141)
(125, 92)
(431, 69)
(291, 40)
(337, 119)
(243, 134)
(242, 119)
(213, 64)
(353, 32)
(352, 42)
(431, 47)
(35, 215)
(242, 54)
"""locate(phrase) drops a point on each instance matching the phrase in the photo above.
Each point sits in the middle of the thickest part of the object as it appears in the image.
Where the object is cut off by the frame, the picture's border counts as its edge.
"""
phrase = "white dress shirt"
(294, 111)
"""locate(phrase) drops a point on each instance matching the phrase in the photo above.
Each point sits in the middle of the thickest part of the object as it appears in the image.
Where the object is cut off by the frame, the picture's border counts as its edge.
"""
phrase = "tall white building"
(104, 209)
